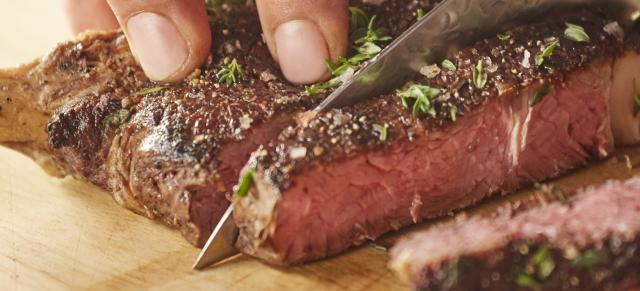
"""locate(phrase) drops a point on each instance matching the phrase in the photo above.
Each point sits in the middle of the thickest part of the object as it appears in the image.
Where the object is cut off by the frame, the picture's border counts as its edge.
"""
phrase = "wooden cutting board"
(63, 234)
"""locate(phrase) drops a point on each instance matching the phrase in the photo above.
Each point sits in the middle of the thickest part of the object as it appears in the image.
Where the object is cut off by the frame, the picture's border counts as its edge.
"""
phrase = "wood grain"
(63, 234)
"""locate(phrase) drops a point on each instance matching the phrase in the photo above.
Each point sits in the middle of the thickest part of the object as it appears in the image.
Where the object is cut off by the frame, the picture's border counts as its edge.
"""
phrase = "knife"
(450, 26)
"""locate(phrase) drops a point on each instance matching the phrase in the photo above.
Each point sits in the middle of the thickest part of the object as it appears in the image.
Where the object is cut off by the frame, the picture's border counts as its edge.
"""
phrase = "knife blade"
(220, 245)
(450, 26)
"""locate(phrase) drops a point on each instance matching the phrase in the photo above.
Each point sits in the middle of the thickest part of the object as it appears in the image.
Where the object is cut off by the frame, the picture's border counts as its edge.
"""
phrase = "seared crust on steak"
(171, 153)
(334, 182)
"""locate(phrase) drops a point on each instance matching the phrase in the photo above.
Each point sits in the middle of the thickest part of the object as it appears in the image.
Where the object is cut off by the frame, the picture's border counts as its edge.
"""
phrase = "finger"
(90, 15)
(170, 38)
(302, 34)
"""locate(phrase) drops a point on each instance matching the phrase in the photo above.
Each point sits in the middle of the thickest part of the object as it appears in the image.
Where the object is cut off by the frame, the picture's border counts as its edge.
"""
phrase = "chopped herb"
(479, 75)
(504, 37)
(589, 259)
(366, 40)
(372, 35)
(382, 131)
(449, 65)
(542, 92)
(242, 189)
(229, 74)
(117, 118)
(418, 98)
(419, 13)
(359, 19)
(546, 52)
(543, 261)
(576, 33)
(525, 280)
(150, 90)
(454, 113)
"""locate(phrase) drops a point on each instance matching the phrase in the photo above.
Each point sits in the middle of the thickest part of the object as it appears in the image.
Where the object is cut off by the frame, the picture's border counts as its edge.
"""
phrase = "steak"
(171, 152)
(353, 174)
(590, 243)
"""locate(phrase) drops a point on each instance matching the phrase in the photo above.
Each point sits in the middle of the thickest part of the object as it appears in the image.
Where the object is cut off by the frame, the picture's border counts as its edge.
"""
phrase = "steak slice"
(591, 243)
(170, 152)
(342, 178)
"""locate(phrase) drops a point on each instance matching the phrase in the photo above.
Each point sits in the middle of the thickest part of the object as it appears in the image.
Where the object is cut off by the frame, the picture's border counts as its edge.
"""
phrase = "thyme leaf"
(504, 37)
(419, 13)
(525, 280)
(366, 40)
(418, 98)
(543, 261)
(546, 52)
(382, 131)
(454, 113)
(117, 118)
(542, 92)
(229, 74)
(449, 65)
(150, 90)
(576, 33)
(479, 75)
(242, 189)
(589, 259)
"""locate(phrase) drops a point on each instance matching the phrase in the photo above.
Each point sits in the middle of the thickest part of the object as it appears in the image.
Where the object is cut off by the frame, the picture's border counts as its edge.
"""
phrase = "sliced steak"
(342, 179)
(170, 152)
(590, 243)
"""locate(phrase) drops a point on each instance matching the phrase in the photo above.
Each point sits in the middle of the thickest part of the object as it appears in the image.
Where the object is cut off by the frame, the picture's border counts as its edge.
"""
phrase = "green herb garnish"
(543, 261)
(117, 118)
(382, 131)
(479, 75)
(454, 113)
(242, 189)
(504, 37)
(589, 259)
(419, 13)
(576, 33)
(418, 98)
(366, 40)
(525, 280)
(449, 65)
(546, 52)
(542, 92)
(150, 90)
(229, 74)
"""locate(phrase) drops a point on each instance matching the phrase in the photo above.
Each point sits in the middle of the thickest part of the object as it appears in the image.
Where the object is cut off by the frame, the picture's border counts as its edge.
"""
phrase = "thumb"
(169, 38)
(301, 35)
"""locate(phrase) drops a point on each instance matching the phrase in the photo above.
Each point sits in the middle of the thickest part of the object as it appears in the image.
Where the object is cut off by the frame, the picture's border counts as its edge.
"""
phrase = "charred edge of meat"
(341, 134)
(560, 246)
(340, 137)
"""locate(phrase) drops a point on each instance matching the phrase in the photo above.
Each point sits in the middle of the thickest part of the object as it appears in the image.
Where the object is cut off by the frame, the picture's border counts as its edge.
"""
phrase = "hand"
(170, 38)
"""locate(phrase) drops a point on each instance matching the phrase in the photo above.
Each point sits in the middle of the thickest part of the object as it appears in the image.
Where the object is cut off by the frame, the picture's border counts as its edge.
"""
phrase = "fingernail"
(302, 51)
(158, 45)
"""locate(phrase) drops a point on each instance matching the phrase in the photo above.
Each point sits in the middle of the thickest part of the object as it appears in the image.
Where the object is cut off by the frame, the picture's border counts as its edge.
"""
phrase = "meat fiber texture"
(589, 243)
(340, 180)
(171, 152)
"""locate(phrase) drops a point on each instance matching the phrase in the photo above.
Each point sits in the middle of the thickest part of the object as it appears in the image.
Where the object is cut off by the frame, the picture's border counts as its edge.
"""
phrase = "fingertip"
(302, 35)
(86, 15)
(169, 38)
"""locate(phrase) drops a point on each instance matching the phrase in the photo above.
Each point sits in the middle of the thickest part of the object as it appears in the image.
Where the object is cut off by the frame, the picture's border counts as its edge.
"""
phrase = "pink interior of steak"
(499, 146)
(595, 215)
